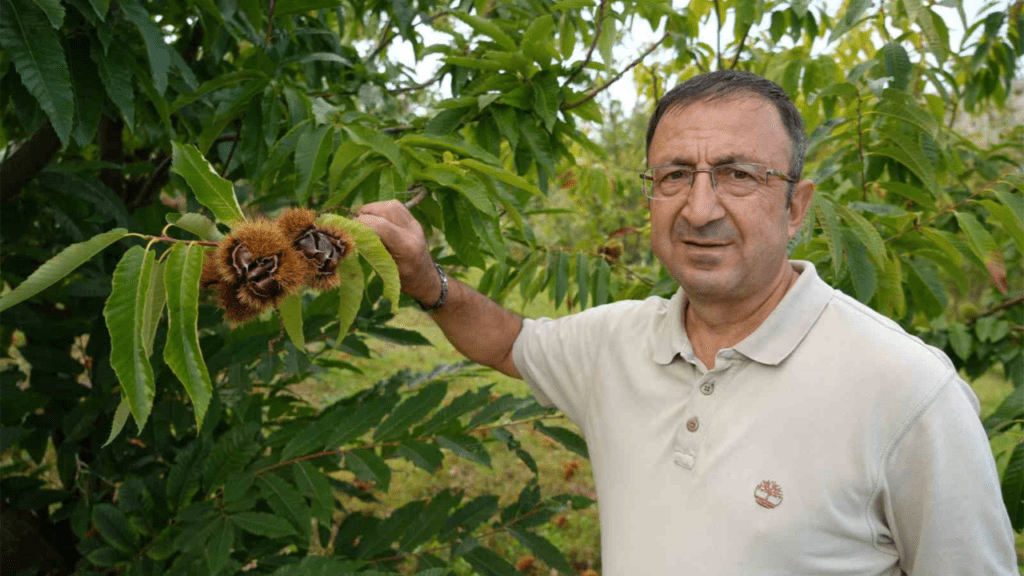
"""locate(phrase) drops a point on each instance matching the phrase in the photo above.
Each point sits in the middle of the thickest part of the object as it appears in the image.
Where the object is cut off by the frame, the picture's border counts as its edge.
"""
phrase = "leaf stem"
(860, 151)
(590, 52)
(172, 240)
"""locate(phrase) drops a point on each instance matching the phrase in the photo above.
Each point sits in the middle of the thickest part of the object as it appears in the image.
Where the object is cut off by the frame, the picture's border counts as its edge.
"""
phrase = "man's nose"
(702, 204)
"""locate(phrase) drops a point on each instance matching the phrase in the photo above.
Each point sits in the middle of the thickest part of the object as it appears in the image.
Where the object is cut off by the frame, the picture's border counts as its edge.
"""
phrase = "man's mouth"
(704, 244)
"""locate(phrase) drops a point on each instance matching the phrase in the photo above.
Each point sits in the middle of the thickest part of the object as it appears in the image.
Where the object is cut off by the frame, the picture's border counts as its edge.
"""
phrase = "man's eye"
(739, 174)
(675, 175)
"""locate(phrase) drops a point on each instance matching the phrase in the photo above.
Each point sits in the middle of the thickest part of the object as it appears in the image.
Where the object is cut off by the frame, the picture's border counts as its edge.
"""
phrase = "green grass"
(577, 533)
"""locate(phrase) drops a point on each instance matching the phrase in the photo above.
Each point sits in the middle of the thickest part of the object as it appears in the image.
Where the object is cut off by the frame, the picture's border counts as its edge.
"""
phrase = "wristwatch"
(444, 291)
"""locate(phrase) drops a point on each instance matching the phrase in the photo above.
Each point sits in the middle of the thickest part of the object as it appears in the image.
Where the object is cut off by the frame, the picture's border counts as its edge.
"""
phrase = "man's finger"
(392, 210)
(389, 233)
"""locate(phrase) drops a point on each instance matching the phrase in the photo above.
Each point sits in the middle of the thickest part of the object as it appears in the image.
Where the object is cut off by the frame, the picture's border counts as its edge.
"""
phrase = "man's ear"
(802, 194)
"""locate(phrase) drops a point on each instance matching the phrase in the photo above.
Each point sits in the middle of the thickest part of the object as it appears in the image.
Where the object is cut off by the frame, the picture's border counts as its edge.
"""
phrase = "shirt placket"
(700, 412)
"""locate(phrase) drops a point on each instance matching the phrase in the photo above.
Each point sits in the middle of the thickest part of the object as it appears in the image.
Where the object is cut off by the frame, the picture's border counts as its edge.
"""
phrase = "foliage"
(190, 118)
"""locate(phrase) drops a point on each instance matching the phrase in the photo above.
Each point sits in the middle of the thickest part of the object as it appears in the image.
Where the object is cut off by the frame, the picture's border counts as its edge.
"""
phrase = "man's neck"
(713, 325)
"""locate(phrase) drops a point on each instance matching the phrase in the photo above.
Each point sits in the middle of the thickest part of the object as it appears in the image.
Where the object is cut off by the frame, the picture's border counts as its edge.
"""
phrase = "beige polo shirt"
(828, 442)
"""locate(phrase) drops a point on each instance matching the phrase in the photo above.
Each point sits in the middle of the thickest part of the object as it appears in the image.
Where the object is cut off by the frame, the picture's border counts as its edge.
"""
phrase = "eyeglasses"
(737, 179)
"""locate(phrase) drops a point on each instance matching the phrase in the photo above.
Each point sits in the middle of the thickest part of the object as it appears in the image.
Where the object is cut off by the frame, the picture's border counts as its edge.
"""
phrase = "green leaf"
(113, 526)
(980, 240)
(465, 446)
(34, 47)
(826, 214)
(565, 437)
(862, 272)
(410, 412)
(926, 287)
(472, 190)
(89, 96)
(263, 524)
(380, 144)
(501, 175)
(448, 417)
(286, 501)
(153, 308)
(210, 189)
(311, 154)
(897, 65)
(561, 286)
(543, 549)
(1015, 202)
(101, 7)
(546, 98)
(116, 74)
(488, 563)
(315, 486)
(538, 143)
(487, 28)
(606, 42)
(854, 10)
(124, 313)
(866, 233)
(218, 550)
(960, 339)
(421, 454)
(290, 309)
(158, 50)
(289, 7)
(216, 83)
(497, 408)
(350, 293)
(602, 275)
(537, 44)
(182, 352)
(1006, 217)
(505, 118)
(120, 418)
(54, 11)
(370, 247)
(923, 17)
(197, 224)
(449, 144)
(582, 279)
(60, 266)
(1013, 487)
(367, 465)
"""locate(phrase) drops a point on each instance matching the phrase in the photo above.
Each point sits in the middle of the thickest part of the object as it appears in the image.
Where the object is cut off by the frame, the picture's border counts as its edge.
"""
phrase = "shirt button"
(693, 424)
(707, 388)
(684, 460)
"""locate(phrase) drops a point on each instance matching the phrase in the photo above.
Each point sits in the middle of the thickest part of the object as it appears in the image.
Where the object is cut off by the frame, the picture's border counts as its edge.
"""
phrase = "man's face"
(719, 248)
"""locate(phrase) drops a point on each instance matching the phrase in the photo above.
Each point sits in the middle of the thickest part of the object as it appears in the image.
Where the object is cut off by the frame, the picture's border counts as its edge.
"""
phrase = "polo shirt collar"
(772, 341)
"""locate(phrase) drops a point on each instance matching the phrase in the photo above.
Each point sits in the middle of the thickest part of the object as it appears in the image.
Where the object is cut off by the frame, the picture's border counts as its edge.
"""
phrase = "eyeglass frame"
(711, 174)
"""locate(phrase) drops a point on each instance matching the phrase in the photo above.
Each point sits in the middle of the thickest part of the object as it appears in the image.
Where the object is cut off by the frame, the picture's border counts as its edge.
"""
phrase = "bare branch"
(421, 193)
(270, 22)
(597, 36)
(718, 35)
(590, 95)
(739, 49)
(385, 39)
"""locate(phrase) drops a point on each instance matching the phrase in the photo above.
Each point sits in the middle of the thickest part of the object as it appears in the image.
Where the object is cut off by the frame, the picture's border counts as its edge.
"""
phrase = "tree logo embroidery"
(768, 494)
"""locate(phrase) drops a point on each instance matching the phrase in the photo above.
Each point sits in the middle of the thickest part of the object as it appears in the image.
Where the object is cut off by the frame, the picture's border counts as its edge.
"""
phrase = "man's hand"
(403, 236)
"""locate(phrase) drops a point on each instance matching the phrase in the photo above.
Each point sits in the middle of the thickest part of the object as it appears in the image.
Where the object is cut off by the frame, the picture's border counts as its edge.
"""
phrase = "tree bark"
(27, 161)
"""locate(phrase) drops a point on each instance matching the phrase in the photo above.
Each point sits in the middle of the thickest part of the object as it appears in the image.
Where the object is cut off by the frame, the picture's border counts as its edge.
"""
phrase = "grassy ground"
(577, 532)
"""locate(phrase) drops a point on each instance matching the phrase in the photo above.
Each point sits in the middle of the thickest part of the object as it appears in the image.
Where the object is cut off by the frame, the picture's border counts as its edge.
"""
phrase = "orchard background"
(142, 434)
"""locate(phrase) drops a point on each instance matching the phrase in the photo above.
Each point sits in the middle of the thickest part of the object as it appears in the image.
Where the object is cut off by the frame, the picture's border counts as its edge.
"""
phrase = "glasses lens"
(670, 180)
(739, 179)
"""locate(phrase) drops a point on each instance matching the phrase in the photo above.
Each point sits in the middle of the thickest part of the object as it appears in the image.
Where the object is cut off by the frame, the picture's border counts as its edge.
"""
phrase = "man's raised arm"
(477, 326)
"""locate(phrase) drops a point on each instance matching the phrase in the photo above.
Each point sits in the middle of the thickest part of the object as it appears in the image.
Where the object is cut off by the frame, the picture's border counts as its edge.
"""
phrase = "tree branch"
(270, 22)
(739, 50)
(27, 161)
(590, 95)
(998, 308)
(718, 35)
(597, 36)
(385, 39)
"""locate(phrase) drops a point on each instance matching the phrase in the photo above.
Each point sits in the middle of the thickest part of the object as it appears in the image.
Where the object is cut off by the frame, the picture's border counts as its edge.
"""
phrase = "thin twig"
(397, 129)
(597, 36)
(860, 150)
(231, 153)
(270, 22)
(385, 39)
(590, 95)
(739, 50)
(415, 87)
(169, 239)
(995, 309)
(948, 209)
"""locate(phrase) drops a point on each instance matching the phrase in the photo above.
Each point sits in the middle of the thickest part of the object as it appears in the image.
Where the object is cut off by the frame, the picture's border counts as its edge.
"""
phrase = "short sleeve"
(942, 496)
(557, 357)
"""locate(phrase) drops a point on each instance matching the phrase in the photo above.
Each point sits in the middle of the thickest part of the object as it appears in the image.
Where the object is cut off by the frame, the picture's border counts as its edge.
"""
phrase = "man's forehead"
(752, 121)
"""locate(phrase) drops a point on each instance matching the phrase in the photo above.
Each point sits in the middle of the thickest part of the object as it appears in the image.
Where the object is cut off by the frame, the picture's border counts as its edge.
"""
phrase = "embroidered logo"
(768, 494)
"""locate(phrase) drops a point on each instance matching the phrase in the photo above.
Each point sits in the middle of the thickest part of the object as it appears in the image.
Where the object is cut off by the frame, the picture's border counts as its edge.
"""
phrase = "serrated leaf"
(538, 143)
(153, 309)
(565, 437)
(157, 50)
(311, 154)
(290, 309)
(923, 17)
(34, 47)
(372, 249)
(367, 465)
(197, 224)
(218, 551)
(979, 239)
(263, 524)
(825, 212)
(210, 189)
(60, 266)
(582, 279)
(120, 419)
(929, 293)
(863, 273)
(468, 517)
(1006, 217)
(465, 446)
(116, 74)
(182, 352)
(561, 286)
(350, 293)
(546, 98)
(866, 233)
(543, 549)
(289, 7)
(286, 501)
(380, 144)
(960, 339)
(315, 486)
(411, 411)
(501, 175)
(124, 313)
(505, 118)
(606, 42)
(471, 190)
(54, 11)
(602, 276)
(487, 28)
(854, 10)
(1013, 487)
(89, 96)
(421, 454)
(113, 526)
(497, 408)
(897, 65)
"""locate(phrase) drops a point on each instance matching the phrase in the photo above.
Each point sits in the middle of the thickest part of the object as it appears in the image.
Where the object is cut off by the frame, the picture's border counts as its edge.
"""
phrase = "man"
(758, 422)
